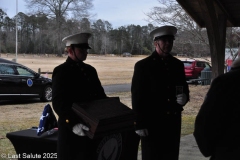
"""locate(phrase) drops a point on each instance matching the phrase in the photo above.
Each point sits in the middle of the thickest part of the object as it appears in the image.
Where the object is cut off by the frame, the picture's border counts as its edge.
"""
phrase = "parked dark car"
(19, 82)
(127, 54)
(193, 68)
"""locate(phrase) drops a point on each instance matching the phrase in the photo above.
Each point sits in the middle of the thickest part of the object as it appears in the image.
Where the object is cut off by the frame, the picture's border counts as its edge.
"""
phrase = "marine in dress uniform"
(74, 81)
(159, 92)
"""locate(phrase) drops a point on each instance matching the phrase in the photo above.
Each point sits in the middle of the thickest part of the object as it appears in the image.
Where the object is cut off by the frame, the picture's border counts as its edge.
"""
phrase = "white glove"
(181, 99)
(142, 132)
(79, 129)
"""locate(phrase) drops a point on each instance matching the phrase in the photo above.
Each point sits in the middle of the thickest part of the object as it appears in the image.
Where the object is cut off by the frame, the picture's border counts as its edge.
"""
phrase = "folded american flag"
(47, 121)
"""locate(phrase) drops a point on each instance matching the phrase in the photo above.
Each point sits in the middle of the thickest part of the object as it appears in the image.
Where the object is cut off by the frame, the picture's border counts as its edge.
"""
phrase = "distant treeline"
(40, 34)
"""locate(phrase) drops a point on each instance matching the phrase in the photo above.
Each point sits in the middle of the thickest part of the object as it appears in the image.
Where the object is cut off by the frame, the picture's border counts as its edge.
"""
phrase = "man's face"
(80, 54)
(163, 45)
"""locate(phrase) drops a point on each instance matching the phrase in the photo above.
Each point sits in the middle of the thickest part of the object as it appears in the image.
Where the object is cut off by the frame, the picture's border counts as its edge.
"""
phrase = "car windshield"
(187, 64)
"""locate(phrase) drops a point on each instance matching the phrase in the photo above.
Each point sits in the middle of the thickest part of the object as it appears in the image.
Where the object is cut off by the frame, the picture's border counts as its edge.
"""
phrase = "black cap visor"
(164, 37)
(82, 45)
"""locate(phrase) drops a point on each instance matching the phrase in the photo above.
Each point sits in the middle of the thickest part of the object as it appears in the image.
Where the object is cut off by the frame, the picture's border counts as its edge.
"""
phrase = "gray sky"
(117, 12)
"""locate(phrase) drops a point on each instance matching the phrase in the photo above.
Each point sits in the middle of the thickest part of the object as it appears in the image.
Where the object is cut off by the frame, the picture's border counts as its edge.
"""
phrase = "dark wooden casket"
(105, 117)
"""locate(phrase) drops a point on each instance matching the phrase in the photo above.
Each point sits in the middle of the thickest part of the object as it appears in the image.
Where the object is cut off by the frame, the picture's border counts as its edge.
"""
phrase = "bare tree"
(59, 10)
(169, 12)
(100, 30)
(191, 38)
(233, 41)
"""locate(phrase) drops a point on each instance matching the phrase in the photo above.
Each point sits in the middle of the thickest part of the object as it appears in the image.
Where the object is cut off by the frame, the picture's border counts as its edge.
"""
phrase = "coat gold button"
(67, 121)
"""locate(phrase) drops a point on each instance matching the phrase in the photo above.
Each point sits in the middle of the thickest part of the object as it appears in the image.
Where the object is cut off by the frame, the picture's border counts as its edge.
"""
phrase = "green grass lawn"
(187, 125)
(7, 147)
(27, 115)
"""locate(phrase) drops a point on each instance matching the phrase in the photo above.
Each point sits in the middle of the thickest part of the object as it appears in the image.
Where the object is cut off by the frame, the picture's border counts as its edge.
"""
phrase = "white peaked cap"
(163, 31)
(79, 38)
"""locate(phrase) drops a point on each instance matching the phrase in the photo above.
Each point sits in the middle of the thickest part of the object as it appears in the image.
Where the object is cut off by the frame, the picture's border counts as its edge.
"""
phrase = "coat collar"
(72, 62)
(155, 55)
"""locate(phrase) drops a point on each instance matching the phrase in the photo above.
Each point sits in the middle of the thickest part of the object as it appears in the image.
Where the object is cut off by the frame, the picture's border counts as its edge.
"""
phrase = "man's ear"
(70, 50)
(155, 43)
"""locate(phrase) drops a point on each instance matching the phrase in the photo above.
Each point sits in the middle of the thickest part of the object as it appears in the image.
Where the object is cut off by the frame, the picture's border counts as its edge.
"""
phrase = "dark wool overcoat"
(154, 84)
(217, 130)
(74, 82)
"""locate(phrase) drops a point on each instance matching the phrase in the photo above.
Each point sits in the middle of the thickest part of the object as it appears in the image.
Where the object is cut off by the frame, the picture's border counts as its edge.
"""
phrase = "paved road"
(188, 147)
(117, 88)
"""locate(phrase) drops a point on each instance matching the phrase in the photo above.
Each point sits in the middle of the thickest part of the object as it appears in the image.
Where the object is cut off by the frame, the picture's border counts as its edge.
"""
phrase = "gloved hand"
(142, 132)
(181, 99)
(79, 129)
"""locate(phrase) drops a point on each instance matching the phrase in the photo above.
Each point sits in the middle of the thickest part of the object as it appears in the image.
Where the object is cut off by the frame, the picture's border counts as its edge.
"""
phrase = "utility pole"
(16, 30)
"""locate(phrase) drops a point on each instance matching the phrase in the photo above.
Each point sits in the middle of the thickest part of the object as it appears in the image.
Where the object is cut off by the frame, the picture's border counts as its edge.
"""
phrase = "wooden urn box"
(105, 116)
